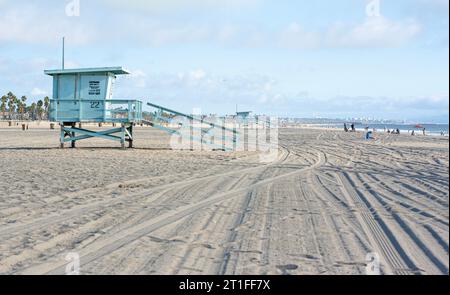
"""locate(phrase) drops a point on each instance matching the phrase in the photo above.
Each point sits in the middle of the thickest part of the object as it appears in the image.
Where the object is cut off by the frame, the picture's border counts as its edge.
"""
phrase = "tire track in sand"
(103, 247)
(383, 241)
(89, 208)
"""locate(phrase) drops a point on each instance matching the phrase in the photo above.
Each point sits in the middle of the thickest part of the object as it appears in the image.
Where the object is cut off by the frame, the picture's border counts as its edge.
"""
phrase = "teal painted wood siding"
(85, 95)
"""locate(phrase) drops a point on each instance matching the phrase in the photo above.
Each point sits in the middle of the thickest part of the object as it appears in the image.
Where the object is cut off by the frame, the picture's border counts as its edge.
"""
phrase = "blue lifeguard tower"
(85, 96)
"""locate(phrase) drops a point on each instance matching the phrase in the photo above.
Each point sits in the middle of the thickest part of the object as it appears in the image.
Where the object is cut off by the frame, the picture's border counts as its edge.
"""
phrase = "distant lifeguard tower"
(242, 118)
(85, 96)
(243, 115)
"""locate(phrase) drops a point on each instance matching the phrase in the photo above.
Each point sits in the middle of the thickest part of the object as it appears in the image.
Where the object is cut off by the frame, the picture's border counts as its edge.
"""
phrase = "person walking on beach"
(413, 133)
(424, 131)
(345, 127)
(353, 127)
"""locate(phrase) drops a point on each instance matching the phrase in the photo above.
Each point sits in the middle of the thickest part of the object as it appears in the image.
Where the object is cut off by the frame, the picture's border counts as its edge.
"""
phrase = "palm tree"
(20, 109)
(22, 106)
(32, 111)
(4, 99)
(40, 110)
(12, 99)
(46, 105)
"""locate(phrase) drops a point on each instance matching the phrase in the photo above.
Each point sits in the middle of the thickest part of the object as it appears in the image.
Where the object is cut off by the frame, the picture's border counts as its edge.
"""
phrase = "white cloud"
(153, 32)
(139, 78)
(439, 4)
(227, 33)
(373, 32)
(35, 24)
(37, 91)
(295, 36)
(263, 93)
(172, 5)
(31, 24)
(197, 74)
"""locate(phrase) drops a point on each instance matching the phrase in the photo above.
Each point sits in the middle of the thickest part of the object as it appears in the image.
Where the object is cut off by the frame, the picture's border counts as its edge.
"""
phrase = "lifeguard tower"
(85, 96)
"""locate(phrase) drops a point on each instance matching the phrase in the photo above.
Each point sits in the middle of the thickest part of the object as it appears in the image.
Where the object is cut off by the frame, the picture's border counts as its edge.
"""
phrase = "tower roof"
(113, 70)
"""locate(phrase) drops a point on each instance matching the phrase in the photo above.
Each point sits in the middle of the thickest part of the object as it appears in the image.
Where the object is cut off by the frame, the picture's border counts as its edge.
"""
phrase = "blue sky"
(324, 58)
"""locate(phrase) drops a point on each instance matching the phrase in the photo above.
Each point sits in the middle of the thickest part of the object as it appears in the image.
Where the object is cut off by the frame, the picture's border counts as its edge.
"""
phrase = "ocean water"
(431, 129)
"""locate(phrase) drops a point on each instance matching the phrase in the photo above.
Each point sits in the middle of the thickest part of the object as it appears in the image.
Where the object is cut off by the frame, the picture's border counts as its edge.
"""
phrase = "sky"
(300, 58)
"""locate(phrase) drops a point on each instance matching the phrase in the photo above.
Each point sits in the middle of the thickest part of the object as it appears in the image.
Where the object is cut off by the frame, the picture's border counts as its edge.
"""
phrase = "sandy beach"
(327, 201)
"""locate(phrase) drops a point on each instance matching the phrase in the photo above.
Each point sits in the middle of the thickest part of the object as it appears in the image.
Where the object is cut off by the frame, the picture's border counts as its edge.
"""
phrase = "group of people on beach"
(389, 131)
(424, 131)
(352, 128)
(396, 131)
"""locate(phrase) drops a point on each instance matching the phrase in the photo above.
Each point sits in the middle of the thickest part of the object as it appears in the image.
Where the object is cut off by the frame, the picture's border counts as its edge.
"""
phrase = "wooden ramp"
(193, 129)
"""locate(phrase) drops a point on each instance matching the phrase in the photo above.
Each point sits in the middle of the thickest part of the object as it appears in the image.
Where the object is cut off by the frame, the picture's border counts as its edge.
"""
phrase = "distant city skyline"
(334, 59)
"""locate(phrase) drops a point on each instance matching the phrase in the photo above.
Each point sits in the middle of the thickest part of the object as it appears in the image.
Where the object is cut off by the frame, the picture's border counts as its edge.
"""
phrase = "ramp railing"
(193, 129)
(88, 110)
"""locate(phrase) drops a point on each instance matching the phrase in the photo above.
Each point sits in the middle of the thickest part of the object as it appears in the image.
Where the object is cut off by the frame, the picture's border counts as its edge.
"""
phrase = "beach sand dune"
(329, 200)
